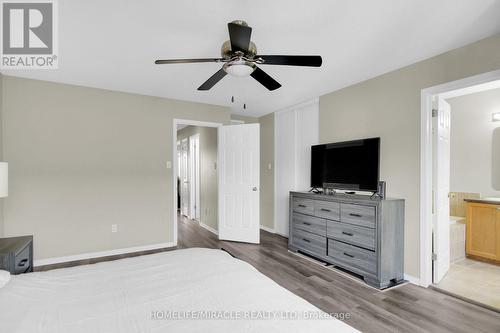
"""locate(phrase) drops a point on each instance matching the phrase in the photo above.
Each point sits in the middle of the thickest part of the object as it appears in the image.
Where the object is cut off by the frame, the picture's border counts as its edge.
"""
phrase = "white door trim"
(176, 122)
(426, 164)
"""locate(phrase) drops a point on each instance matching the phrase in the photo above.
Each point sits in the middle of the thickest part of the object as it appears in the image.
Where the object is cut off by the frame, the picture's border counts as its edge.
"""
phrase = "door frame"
(174, 164)
(426, 162)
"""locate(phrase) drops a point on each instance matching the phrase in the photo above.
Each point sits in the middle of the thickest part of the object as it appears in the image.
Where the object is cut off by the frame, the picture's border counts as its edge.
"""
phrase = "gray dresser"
(359, 234)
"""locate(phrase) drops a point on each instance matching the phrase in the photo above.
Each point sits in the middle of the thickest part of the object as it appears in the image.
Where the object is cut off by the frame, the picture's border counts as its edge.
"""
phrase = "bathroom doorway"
(466, 193)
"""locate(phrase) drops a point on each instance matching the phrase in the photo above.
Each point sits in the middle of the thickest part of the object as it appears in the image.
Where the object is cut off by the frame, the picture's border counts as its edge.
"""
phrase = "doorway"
(197, 179)
(228, 178)
(454, 175)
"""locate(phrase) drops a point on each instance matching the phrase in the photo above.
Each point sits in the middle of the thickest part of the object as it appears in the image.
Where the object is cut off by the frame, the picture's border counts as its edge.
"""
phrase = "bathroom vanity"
(483, 229)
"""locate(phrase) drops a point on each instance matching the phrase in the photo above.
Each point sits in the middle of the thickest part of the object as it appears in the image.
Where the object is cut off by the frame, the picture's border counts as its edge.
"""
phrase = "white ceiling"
(112, 44)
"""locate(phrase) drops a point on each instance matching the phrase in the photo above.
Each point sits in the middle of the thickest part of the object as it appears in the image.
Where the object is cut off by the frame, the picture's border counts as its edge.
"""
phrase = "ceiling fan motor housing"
(227, 53)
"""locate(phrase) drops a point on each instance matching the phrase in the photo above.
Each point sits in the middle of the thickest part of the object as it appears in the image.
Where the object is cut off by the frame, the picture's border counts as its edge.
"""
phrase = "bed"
(189, 290)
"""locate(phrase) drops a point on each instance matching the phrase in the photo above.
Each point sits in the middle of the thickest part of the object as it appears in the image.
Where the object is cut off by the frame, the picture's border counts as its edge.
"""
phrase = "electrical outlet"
(114, 228)
(169, 165)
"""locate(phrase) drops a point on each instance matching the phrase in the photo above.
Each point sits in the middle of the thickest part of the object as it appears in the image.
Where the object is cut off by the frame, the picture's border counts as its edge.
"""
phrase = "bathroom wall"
(471, 142)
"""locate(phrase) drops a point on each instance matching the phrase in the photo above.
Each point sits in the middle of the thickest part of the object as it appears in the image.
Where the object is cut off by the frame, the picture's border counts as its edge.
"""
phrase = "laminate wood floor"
(405, 308)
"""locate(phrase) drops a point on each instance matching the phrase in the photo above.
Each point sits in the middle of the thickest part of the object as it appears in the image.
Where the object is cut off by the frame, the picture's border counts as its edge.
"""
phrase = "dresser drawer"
(310, 224)
(309, 242)
(358, 214)
(352, 234)
(305, 206)
(327, 210)
(22, 261)
(354, 256)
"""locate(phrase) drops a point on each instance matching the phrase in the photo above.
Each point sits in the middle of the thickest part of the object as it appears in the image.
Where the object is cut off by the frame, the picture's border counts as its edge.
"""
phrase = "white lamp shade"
(240, 70)
(4, 179)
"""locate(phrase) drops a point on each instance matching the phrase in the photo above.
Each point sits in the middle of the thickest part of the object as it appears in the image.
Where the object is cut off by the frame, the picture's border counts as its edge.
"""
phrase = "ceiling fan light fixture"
(239, 68)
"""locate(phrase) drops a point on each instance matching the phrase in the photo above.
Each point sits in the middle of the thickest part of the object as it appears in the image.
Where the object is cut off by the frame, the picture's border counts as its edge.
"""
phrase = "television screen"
(351, 165)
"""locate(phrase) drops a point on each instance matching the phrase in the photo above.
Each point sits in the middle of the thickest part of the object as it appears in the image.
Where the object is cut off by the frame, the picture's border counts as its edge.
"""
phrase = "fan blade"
(187, 61)
(239, 35)
(265, 79)
(291, 60)
(213, 80)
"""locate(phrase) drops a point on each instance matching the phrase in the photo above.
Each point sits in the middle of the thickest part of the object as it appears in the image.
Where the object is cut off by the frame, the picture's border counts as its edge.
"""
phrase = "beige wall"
(246, 119)
(82, 159)
(266, 175)
(471, 142)
(389, 107)
(208, 171)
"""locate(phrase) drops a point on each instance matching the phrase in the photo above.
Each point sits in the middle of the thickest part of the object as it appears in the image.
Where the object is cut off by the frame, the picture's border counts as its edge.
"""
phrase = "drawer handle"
(325, 210)
(355, 215)
(347, 233)
(22, 262)
(306, 240)
(306, 223)
(303, 206)
(348, 255)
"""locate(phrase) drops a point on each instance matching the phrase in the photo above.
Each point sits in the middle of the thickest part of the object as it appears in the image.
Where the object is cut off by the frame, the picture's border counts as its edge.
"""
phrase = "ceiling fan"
(240, 58)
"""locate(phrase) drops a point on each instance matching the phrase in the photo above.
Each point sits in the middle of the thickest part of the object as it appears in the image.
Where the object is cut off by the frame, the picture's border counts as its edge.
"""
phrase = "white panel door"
(239, 179)
(441, 186)
(194, 177)
(184, 178)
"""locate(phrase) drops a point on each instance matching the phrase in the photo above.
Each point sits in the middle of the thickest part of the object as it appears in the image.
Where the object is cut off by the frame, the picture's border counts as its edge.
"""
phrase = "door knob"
(254, 189)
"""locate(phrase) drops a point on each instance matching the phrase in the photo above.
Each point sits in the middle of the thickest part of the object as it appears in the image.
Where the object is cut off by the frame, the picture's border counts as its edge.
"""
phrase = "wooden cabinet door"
(498, 232)
(483, 231)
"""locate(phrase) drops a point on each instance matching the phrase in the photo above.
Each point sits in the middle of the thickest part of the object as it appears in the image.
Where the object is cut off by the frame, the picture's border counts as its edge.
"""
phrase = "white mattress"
(137, 294)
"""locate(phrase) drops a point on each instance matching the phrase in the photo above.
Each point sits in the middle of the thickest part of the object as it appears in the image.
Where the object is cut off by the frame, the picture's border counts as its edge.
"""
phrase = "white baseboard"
(267, 229)
(209, 228)
(412, 279)
(90, 255)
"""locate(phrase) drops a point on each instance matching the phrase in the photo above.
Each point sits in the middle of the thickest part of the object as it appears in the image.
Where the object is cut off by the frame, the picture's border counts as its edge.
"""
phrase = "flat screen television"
(350, 165)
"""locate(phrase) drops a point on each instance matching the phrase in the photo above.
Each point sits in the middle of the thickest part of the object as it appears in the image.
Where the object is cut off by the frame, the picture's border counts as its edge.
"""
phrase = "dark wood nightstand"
(16, 254)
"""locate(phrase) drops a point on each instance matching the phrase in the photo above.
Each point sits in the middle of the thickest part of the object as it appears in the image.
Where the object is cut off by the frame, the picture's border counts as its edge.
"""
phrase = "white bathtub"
(457, 238)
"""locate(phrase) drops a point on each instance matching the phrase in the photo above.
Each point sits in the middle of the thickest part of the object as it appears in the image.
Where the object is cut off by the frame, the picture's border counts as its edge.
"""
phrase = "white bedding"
(137, 294)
